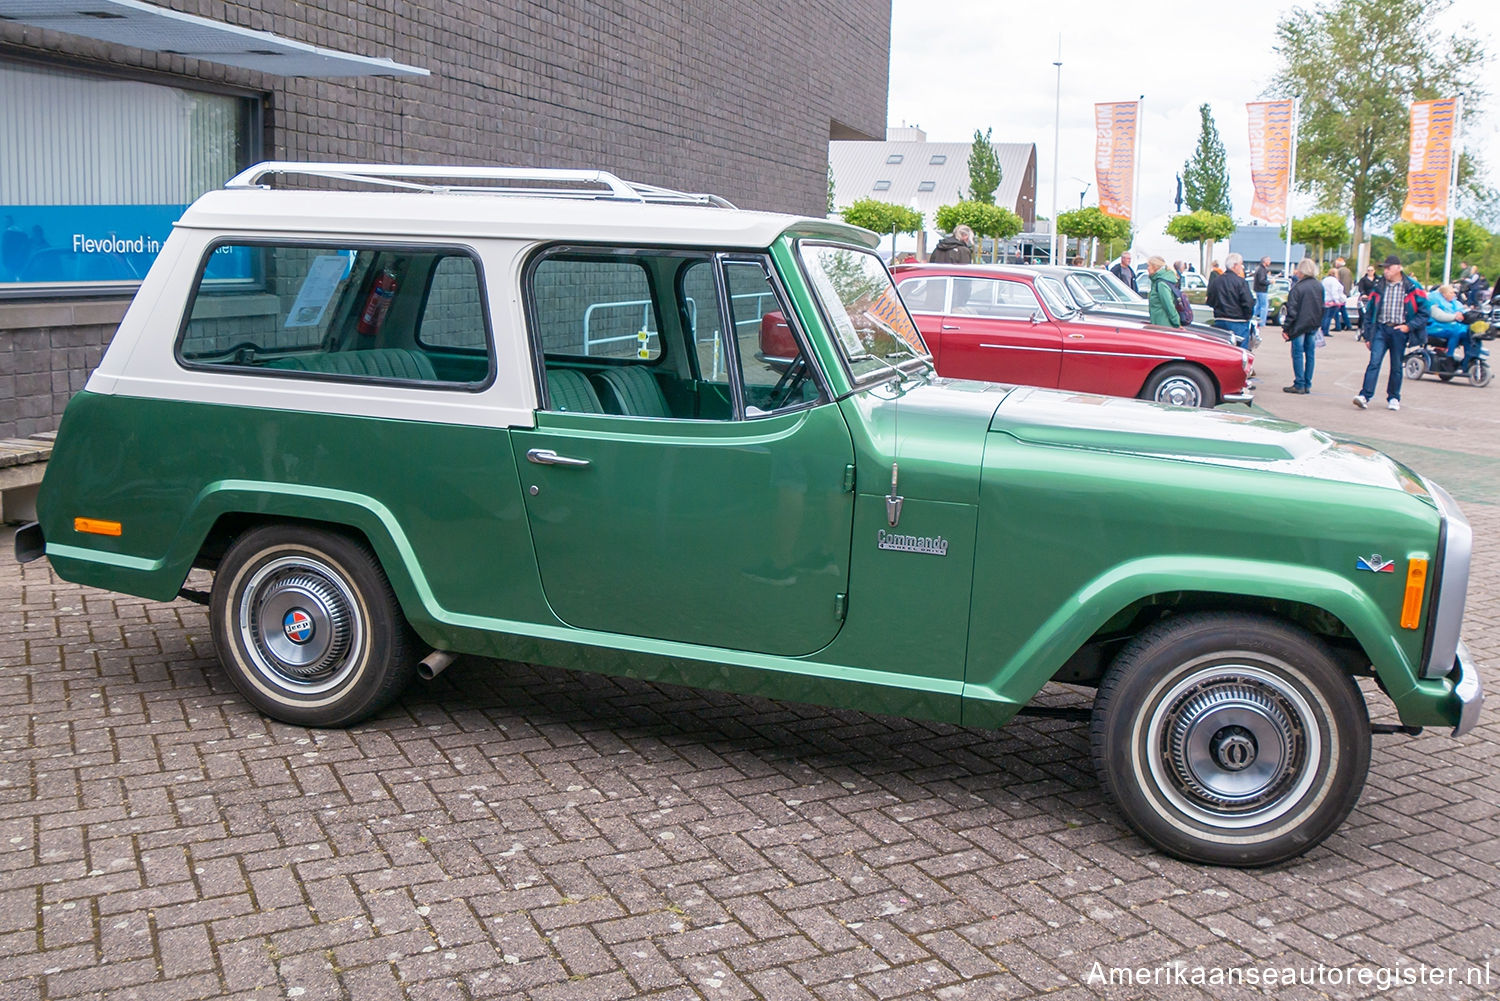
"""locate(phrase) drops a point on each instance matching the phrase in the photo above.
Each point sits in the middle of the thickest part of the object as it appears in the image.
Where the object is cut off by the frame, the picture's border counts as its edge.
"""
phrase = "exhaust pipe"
(434, 664)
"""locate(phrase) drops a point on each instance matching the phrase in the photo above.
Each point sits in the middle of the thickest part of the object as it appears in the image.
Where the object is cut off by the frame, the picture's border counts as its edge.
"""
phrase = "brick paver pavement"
(512, 831)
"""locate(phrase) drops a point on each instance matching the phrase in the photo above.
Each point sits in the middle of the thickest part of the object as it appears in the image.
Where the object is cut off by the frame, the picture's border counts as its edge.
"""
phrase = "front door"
(657, 507)
(994, 329)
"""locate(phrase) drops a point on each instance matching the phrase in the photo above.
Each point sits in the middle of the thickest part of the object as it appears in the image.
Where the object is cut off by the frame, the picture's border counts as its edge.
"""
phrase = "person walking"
(1395, 313)
(1231, 300)
(1333, 301)
(1261, 286)
(1304, 316)
(955, 248)
(1346, 279)
(1163, 294)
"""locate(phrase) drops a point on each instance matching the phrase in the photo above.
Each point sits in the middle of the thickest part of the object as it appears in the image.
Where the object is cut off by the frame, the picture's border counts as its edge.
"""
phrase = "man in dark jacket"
(955, 248)
(1394, 315)
(1231, 301)
(1304, 316)
(1125, 272)
(1261, 286)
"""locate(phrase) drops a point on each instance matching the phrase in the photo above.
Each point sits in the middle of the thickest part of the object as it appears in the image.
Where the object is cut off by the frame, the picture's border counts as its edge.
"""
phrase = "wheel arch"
(1079, 638)
(224, 511)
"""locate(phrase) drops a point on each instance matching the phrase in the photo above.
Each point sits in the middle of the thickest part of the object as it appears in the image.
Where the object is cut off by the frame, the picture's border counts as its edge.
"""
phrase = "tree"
(1205, 178)
(1201, 227)
(1092, 224)
(1358, 65)
(830, 189)
(984, 169)
(1470, 241)
(883, 217)
(984, 219)
(1320, 230)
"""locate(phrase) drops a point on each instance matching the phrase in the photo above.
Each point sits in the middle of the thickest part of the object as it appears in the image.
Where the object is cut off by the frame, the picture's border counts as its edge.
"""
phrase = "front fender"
(992, 698)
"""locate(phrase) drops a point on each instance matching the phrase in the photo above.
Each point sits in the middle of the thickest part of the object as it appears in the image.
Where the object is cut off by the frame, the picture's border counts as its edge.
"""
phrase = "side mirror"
(1037, 317)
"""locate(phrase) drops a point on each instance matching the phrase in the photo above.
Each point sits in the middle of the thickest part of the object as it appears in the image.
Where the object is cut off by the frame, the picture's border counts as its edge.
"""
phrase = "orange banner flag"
(1114, 156)
(1270, 158)
(1431, 161)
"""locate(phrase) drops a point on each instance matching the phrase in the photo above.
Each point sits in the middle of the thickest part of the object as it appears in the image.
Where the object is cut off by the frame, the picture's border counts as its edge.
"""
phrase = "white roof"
(467, 215)
(859, 166)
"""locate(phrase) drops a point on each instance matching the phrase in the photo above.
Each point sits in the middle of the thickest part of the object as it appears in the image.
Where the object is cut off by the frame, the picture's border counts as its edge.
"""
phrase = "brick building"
(102, 142)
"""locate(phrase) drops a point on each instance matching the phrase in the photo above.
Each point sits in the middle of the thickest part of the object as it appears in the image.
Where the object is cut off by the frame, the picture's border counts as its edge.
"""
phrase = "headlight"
(1451, 581)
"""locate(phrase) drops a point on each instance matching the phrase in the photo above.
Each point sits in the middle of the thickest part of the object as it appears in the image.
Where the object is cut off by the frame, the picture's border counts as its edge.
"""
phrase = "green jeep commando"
(415, 412)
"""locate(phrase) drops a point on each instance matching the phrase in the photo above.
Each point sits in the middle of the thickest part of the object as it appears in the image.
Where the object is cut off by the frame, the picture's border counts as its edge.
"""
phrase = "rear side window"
(595, 308)
(384, 314)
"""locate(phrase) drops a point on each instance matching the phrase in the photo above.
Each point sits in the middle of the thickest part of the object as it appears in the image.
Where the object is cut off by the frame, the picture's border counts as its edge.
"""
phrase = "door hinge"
(849, 478)
(840, 606)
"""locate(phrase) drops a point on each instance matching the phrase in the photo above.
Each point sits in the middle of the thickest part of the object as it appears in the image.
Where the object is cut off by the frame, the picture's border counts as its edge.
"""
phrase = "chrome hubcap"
(1180, 392)
(1233, 745)
(298, 621)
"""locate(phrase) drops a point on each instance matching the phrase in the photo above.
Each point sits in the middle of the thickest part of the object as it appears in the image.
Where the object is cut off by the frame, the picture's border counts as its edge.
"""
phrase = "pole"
(1056, 129)
(1291, 182)
(1135, 194)
(1453, 153)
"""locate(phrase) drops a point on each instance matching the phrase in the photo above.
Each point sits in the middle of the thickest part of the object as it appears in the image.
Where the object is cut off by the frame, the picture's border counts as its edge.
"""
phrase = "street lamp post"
(1056, 128)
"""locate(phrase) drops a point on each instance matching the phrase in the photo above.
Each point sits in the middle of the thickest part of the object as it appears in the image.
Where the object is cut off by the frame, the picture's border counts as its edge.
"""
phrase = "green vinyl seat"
(631, 390)
(570, 391)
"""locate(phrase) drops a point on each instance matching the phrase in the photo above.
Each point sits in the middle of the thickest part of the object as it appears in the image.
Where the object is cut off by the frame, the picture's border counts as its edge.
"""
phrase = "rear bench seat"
(379, 363)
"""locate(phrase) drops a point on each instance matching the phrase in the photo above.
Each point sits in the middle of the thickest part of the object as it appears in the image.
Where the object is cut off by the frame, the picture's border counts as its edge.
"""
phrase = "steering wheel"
(791, 380)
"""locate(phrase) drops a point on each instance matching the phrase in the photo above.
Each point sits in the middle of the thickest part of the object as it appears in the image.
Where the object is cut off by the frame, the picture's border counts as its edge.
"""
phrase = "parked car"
(540, 424)
(1081, 283)
(1016, 325)
(1277, 307)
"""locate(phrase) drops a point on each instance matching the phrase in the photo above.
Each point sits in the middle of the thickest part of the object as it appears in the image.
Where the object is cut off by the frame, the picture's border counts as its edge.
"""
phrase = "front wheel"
(1280, 318)
(1180, 385)
(1480, 373)
(1230, 739)
(307, 627)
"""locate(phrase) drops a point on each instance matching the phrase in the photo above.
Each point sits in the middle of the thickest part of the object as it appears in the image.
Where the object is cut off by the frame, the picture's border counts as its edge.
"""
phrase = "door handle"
(547, 457)
(1075, 337)
(950, 326)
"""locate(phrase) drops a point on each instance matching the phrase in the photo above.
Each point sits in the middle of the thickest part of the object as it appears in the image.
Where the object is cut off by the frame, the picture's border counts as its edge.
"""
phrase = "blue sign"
(93, 243)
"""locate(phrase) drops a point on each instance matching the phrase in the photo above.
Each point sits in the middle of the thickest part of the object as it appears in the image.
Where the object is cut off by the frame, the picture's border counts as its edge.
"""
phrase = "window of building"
(938, 159)
(366, 314)
(882, 185)
(927, 186)
(895, 158)
(94, 170)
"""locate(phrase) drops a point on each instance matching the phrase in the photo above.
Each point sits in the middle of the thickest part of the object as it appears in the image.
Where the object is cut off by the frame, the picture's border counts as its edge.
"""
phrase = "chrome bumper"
(1469, 691)
(1246, 398)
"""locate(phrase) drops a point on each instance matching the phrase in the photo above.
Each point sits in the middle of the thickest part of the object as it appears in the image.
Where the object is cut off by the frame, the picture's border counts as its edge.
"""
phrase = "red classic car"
(1012, 325)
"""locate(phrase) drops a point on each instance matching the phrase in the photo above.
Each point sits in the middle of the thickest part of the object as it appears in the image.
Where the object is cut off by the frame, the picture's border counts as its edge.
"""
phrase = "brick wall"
(735, 99)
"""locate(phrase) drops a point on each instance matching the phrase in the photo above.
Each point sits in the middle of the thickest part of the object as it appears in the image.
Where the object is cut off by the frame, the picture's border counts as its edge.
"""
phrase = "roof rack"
(559, 182)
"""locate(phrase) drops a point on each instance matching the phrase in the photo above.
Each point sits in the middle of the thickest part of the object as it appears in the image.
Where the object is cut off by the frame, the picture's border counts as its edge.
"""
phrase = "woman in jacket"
(1446, 315)
(1304, 317)
(1163, 294)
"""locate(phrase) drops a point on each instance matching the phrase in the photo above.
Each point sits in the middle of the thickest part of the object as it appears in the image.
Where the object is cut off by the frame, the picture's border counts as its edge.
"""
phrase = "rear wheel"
(1230, 739)
(1180, 385)
(307, 627)
(1416, 366)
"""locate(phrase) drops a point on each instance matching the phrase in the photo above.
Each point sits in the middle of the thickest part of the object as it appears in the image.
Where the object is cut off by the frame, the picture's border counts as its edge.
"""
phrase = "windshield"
(1055, 296)
(1080, 294)
(871, 326)
(1121, 291)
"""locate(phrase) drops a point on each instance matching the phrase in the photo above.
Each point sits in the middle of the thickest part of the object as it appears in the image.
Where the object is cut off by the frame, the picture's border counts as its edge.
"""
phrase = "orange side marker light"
(1416, 584)
(96, 526)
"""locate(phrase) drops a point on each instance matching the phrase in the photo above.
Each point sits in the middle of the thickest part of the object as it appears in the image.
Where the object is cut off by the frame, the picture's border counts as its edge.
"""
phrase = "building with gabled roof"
(908, 170)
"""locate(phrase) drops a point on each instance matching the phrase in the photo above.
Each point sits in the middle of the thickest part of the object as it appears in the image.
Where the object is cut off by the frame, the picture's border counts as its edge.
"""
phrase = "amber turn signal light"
(1416, 583)
(96, 526)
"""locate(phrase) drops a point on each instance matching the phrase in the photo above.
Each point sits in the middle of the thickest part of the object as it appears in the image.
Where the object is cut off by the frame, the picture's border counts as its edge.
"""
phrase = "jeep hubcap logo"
(298, 626)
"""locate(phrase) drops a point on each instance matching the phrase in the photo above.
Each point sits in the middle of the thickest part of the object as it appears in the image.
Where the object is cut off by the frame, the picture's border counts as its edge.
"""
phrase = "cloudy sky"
(966, 64)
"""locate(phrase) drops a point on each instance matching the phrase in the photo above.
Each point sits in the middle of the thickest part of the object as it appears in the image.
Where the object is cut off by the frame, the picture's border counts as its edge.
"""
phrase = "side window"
(341, 313)
(925, 295)
(776, 373)
(993, 297)
(700, 295)
(596, 308)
